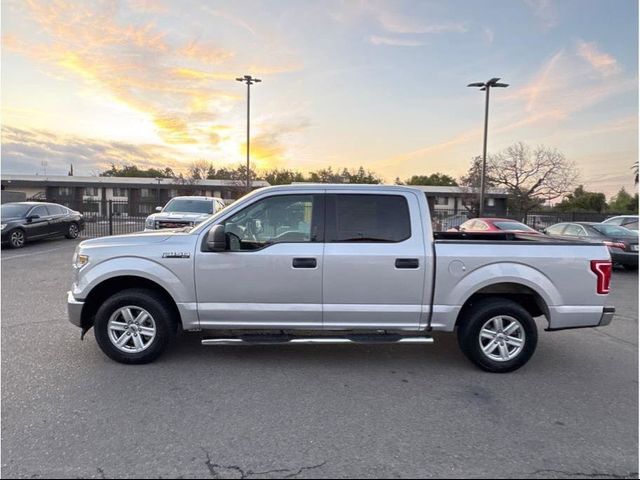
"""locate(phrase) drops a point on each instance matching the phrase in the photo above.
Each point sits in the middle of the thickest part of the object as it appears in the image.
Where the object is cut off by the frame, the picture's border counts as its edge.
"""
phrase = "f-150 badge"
(176, 255)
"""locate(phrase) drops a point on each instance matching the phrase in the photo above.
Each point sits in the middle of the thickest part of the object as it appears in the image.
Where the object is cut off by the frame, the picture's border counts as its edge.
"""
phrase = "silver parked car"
(626, 221)
(333, 264)
(182, 212)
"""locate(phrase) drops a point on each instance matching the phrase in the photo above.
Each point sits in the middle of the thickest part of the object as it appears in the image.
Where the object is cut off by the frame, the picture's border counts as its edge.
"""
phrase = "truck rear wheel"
(498, 335)
(134, 326)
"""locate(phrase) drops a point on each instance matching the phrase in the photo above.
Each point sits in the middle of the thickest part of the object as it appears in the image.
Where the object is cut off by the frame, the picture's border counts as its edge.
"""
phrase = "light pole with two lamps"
(485, 86)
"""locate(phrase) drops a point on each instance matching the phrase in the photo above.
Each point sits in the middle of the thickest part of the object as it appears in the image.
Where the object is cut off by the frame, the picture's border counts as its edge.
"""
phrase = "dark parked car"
(26, 221)
(622, 242)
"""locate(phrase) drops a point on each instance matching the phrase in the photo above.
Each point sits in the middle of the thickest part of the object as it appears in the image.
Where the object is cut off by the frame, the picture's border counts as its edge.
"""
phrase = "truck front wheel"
(498, 335)
(134, 326)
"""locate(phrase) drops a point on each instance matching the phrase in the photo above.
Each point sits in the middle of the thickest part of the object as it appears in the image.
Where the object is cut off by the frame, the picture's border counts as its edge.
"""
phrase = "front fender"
(181, 290)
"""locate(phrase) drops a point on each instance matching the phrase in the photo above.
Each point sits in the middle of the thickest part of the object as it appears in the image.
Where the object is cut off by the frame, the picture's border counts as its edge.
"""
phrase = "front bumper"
(74, 309)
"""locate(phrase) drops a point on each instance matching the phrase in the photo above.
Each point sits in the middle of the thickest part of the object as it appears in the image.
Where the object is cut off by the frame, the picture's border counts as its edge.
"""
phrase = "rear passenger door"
(374, 261)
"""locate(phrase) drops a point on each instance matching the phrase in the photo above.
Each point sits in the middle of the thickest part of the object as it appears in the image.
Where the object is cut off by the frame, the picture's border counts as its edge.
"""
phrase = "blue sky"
(345, 83)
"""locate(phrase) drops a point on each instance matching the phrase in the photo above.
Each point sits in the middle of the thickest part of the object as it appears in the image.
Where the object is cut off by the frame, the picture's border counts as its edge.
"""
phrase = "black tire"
(159, 309)
(477, 316)
(17, 238)
(73, 231)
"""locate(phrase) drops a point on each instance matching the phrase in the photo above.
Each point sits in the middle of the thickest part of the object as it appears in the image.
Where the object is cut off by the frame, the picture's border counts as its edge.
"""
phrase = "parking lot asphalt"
(306, 411)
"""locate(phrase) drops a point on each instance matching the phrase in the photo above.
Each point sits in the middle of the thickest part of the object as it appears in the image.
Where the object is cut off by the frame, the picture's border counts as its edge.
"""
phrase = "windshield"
(189, 206)
(614, 231)
(14, 210)
(512, 226)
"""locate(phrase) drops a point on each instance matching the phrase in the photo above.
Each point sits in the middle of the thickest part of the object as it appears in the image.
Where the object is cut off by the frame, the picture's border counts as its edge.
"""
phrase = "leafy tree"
(623, 202)
(283, 176)
(470, 184)
(328, 175)
(435, 179)
(583, 200)
(134, 171)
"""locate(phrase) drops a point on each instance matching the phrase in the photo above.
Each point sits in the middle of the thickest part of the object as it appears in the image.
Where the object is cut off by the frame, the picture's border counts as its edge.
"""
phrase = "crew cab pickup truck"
(329, 264)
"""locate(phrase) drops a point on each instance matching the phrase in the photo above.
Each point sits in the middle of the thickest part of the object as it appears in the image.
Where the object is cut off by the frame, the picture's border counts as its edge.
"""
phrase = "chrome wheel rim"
(502, 338)
(73, 230)
(131, 329)
(17, 238)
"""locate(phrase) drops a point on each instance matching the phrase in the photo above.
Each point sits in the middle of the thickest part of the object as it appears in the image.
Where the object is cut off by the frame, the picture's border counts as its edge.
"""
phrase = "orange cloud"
(174, 130)
(602, 62)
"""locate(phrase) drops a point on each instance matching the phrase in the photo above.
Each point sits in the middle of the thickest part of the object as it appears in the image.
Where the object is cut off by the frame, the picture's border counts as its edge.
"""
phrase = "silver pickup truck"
(329, 264)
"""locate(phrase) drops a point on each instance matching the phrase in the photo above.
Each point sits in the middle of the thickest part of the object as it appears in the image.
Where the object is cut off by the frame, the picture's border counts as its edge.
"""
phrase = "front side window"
(278, 219)
(367, 218)
(41, 211)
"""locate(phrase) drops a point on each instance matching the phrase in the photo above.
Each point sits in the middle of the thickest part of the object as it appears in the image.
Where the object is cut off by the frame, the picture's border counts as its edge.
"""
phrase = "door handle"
(305, 263)
(408, 263)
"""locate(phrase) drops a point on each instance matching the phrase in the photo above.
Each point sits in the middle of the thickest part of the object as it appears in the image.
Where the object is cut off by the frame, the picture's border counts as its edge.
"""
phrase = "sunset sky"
(345, 83)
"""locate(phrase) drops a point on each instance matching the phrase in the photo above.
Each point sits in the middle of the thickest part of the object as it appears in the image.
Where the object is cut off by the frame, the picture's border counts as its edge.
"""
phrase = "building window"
(491, 202)
(91, 192)
(147, 192)
(441, 201)
(120, 192)
(64, 191)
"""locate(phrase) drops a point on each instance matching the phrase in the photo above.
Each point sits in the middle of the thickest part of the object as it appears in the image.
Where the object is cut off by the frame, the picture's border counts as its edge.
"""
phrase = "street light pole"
(486, 86)
(249, 80)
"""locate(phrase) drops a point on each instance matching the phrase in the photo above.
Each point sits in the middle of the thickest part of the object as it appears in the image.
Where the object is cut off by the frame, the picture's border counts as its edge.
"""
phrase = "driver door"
(271, 274)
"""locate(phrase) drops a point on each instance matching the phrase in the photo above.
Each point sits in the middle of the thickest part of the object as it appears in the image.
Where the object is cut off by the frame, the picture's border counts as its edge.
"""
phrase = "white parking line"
(4, 257)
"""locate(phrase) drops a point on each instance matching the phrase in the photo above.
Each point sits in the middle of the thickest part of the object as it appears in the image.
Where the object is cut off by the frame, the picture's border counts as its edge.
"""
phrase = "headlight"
(80, 260)
(149, 223)
(2, 226)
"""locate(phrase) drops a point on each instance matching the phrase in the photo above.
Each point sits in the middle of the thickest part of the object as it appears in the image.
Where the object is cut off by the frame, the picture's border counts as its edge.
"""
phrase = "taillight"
(615, 244)
(602, 269)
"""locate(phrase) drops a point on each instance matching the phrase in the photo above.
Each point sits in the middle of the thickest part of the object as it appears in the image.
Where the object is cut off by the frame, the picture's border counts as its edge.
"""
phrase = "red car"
(495, 225)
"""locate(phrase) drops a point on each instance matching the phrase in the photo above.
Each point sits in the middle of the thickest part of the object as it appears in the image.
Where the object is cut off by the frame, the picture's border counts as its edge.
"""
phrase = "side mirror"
(31, 218)
(216, 239)
(158, 209)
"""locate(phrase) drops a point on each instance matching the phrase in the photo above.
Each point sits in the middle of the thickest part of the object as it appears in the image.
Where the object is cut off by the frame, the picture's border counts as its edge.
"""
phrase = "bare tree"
(531, 176)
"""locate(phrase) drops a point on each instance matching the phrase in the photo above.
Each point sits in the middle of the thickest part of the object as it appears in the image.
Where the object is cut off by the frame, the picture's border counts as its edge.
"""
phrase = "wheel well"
(528, 298)
(109, 287)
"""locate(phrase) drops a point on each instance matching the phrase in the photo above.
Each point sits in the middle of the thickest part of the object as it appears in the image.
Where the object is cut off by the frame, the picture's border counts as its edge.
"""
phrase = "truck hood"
(132, 239)
(184, 216)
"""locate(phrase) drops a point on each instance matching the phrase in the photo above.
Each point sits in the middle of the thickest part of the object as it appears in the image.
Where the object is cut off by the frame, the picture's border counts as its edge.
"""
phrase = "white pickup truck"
(309, 264)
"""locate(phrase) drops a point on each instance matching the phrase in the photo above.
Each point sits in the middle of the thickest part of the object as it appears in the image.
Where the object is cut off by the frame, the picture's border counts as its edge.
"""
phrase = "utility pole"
(249, 80)
(485, 86)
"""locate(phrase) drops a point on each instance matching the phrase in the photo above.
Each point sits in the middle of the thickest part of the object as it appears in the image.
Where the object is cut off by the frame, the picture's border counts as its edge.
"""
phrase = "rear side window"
(367, 218)
(556, 229)
(56, 210)
(575, 230)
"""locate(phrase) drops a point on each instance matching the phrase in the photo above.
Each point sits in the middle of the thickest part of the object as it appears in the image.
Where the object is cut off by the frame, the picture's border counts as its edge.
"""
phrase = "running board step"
(335, 340)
